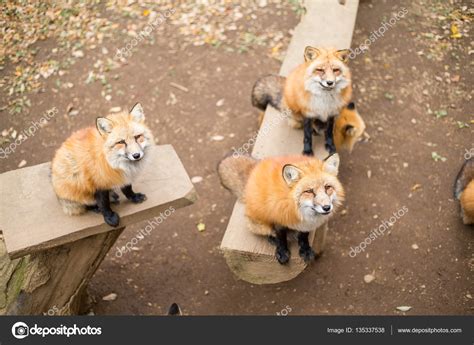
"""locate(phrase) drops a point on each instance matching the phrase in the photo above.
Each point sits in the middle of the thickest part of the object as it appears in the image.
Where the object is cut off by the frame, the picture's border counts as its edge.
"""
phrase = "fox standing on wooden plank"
(464, 191)
(297, 193)
(316, 90)
(93, 162)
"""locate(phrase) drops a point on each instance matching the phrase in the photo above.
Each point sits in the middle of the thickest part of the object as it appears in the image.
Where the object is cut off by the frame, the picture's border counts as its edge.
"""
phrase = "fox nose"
(329, 82)
(136, 155)
(326, 208)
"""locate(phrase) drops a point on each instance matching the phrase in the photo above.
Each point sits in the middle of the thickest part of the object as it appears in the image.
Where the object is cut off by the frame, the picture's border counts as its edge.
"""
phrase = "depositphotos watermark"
(146, 231)
(263, 131)
(27, 133)
(469, 154)
(21, 330)
(380, 32)
(378, 232)
(126, 52)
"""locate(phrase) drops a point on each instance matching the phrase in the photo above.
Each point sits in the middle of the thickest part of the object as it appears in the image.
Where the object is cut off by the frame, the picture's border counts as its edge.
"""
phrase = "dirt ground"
(413, 87)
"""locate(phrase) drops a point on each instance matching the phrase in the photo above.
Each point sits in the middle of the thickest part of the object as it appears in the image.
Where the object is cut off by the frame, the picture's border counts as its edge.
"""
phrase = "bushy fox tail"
(234, 171)
(268, 90)
(465, 176)
(348, 127)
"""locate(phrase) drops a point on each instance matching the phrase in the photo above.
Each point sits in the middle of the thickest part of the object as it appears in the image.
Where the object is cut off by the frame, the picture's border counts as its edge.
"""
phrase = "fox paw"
(282, 255)
(307, 254)
(308, 152)
(138, 198)
(112, 219)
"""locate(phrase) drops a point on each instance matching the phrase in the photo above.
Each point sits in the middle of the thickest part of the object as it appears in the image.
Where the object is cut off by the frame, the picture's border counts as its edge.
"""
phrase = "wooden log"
(251, 257)
(48, 258)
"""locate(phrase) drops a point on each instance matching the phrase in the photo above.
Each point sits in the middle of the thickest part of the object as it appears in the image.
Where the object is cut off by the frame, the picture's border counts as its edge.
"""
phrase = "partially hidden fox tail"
(464, 177)
(234, 171)
(268, 90)
(348, 127)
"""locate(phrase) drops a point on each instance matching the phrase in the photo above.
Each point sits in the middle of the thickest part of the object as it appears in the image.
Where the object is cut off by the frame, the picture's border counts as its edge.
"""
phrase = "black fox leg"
(114, 197)
(306, 252)
(329, 140)
(308, 137)
(132, 196)
(103, 203)
(282, 253)
(93, 208)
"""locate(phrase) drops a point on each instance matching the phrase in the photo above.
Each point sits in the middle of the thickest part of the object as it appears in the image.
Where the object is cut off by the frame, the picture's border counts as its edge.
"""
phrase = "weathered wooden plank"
(32, 220)
(326, 23)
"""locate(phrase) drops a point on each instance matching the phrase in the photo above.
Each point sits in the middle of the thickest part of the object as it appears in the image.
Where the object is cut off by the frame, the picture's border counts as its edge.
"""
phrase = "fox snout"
(135, 156)
(323, 209)
(328, 83)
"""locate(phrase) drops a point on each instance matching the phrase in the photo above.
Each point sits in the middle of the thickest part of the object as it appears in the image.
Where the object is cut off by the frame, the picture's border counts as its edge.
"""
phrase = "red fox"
(348, 125)
(348, 128)
(315, 90)
(297, 193)
(464, 191)
(92, 162)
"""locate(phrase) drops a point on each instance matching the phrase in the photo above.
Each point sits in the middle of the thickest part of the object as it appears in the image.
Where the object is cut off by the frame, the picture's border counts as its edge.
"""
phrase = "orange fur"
(298, 99)
(84, 162)
(270, 200)
(467, 203)
(348, 127)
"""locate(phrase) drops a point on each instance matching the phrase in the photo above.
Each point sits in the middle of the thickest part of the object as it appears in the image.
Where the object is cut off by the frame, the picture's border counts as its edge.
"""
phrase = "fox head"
(326, 69)
(126, 138)
(314, 186)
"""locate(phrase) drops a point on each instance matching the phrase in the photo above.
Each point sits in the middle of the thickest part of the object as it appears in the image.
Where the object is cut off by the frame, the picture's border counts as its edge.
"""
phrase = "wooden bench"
(46, 257)
(251, 257)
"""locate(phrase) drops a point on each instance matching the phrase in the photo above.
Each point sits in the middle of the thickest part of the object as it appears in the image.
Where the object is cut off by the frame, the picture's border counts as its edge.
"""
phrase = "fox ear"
(137, 113)
(291, 174)
(343, 55)
(311, 53)
(104, 125)
(331, 164)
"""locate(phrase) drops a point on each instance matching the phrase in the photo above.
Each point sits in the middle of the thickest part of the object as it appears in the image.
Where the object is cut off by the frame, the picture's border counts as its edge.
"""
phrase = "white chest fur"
(309, 224)
(325, 104)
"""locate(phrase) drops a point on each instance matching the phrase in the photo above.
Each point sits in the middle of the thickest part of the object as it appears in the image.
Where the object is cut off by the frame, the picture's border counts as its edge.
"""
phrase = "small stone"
(220, 102)
(196, 179)
(368, 278)
(217, 138)
(115, 109)
(22, 164)
(206, 293)
(110, 297)
(414, 246)
(403, 308)
(405, 164)
(413, 121)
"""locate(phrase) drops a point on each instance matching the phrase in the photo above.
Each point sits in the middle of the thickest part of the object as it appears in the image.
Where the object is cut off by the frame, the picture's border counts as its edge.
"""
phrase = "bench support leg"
(54, 281)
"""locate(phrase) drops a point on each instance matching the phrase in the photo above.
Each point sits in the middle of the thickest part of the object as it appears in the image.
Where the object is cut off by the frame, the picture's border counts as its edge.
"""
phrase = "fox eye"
(319, 70)
(309, 191)
(336, 70)
(121, 142)
(328, 188)
(139, 136)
